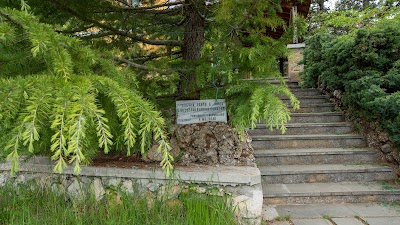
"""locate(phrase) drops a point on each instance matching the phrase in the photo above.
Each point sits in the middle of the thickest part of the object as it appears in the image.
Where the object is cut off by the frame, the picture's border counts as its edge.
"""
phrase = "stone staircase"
(319, 159)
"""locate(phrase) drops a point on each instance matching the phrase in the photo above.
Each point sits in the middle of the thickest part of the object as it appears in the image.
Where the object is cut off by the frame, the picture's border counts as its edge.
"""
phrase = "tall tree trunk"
(193, 42)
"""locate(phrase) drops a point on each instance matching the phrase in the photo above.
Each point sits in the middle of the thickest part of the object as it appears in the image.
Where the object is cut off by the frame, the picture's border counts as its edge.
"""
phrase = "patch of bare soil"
(122, 161)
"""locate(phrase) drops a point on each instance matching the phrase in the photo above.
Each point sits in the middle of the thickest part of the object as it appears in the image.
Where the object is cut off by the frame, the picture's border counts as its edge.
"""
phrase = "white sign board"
(199, 111)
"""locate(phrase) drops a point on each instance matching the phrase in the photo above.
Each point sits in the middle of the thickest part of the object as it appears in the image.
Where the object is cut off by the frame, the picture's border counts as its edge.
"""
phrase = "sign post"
(199, 111)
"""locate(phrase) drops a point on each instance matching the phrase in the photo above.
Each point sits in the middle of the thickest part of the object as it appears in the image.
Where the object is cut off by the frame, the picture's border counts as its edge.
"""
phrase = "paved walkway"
(333, 214)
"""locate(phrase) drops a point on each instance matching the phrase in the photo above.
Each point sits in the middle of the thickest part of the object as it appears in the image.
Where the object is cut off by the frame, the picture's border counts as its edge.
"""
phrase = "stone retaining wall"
(243, 184)
(375, 136)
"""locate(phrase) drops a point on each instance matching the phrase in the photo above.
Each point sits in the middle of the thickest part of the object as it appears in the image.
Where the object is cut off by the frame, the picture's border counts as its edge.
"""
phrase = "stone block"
(75, 190)
(127, 186)
(250, 205)
(114, 182)
(347, 221)
(311, 221)
(383, 220)
(97, 189)
(269, 213)
(3, 179)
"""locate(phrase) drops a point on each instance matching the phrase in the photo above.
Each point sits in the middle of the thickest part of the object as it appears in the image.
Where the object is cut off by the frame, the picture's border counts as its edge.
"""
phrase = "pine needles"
(61, 103)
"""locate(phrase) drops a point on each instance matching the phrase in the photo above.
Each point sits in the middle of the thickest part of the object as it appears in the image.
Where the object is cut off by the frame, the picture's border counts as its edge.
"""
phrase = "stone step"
(308, 156)
(290, 84)
(305, 128)
(343, 192)
(324, 173)
(314, 108)
(307, 100)
(323, 117)
(307, 141)
(298, 92)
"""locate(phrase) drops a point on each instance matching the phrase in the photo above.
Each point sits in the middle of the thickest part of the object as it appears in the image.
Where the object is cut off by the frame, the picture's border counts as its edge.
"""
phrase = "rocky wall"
(211, 143)
(375, 136)
(241, 184)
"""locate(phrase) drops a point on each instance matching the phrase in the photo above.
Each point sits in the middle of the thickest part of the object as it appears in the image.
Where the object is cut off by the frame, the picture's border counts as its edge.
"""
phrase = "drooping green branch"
(69, 118)
(116, 31)
(10, 18)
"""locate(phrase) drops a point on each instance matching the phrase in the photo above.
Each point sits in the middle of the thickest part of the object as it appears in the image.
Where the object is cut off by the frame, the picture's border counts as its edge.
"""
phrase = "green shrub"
(365, 66)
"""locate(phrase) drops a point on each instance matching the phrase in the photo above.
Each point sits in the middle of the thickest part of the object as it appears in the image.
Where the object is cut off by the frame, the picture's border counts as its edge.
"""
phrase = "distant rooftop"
(286, 14)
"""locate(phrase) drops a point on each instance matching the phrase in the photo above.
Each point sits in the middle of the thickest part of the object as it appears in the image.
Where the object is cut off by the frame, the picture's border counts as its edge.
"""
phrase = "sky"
(330, 4)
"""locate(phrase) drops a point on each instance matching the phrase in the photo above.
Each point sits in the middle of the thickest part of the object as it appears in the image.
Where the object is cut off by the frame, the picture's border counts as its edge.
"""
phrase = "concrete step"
(314, 108)
(290, 84)
(343, 192)
(308, 156)
(298, 92)
(324, 173)
(306, 128)
(307, 141)
(307, 100)
(317, 117)
(324, 117)
(372, 213)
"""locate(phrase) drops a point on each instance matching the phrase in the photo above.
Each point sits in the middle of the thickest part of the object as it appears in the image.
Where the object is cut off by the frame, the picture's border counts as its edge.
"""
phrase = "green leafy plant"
(283, 218)
(60, 110)
(364, 66)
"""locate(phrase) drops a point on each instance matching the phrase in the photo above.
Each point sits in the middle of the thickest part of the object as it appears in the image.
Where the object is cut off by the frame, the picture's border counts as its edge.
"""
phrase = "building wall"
(295, 56)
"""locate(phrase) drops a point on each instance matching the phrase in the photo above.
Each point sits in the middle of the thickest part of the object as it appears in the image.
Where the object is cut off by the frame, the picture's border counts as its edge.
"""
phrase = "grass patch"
(26, 205)
(283, 218)
(361, 220)
(327, 217)
(391, 204)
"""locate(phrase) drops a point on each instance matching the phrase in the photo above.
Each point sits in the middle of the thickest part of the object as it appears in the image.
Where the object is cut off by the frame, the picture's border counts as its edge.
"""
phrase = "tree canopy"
(82, 76)
(355, 53)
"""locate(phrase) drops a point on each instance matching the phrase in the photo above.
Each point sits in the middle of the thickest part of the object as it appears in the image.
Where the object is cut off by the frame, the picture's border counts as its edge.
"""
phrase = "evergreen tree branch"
(76, 30)
(35, 106)
(123, 106)
(103, 130)
(59, 124)
(142, 67)
(91, 35)
(140, 11)
(142, 8)
(77, 136)
(13, 144)
(155, 56)
(123, 2)
(116, 31)
(11, 19)
(248, 14)
(153, 122)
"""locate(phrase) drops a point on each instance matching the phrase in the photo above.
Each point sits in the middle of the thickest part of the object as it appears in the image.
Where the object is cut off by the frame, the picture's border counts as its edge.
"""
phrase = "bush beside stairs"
(320, 159)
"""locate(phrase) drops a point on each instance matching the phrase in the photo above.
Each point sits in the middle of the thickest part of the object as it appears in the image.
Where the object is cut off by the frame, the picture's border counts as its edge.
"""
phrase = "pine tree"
(79, 76)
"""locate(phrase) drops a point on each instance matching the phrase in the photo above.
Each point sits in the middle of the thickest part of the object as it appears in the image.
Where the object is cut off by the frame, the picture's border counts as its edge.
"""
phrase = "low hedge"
(365, 67)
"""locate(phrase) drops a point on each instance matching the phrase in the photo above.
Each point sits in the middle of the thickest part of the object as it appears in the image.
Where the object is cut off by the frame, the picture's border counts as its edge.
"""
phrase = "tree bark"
(194, 30)
(192, 44)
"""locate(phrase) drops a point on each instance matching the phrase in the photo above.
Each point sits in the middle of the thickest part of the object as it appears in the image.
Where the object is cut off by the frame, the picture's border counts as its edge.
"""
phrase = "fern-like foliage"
(56, 108)
(264, 105)
(239, 42)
